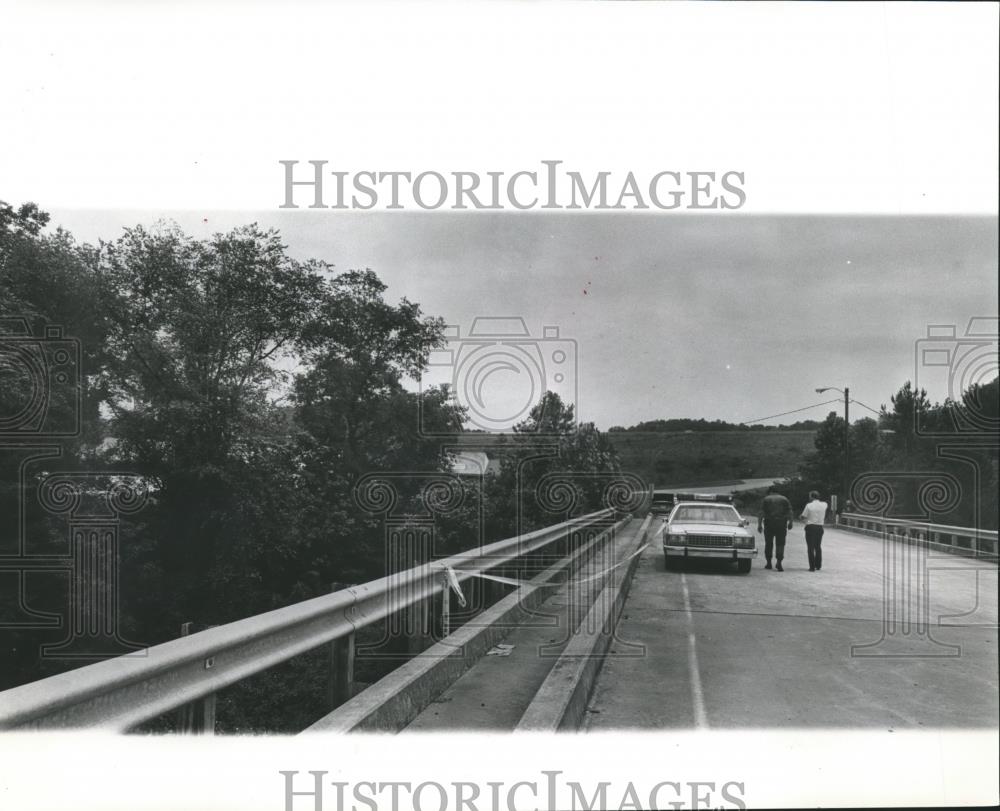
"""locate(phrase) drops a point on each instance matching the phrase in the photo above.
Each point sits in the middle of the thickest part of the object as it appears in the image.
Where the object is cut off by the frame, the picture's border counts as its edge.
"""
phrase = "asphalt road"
(722, 489)
(840, 648)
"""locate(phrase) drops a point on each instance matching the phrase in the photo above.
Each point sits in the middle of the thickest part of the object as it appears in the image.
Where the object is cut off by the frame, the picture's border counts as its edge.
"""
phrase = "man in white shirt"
(814, 514)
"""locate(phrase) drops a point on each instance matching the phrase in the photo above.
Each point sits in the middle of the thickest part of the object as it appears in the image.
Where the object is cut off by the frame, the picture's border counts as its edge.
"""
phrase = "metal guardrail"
(120, 693)
(394, 701)
(980, 543)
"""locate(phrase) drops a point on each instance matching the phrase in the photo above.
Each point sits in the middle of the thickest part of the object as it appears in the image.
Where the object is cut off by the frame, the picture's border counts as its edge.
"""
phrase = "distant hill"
(694, 456)
(677, 425)
(664, 458)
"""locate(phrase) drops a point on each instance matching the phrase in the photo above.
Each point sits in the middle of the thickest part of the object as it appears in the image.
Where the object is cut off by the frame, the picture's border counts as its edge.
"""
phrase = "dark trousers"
(814, 548)
(774, 539)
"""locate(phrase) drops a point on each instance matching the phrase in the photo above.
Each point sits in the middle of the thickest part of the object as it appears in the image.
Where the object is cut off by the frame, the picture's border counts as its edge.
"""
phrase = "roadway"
(725, 488)
(774, 649)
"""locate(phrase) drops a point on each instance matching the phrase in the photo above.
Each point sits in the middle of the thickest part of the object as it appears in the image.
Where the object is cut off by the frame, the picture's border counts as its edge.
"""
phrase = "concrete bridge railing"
(979, 543)
(120, 693)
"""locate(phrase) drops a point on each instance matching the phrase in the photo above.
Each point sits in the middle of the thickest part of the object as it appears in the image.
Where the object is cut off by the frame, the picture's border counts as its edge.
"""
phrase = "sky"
(734, 318)
(123, 113)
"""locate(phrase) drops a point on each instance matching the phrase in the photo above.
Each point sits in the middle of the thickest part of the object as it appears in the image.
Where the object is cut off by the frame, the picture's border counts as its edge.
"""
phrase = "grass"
(711, 456)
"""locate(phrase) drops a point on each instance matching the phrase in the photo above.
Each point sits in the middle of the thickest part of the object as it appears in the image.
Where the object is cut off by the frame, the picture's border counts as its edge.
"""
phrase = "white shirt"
(815, 512)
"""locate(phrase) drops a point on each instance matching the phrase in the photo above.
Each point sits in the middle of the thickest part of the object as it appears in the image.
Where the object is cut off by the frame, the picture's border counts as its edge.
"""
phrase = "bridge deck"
(725, 650)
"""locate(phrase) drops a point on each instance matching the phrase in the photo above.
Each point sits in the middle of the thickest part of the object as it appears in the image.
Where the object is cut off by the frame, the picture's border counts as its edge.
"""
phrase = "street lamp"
(847, 434)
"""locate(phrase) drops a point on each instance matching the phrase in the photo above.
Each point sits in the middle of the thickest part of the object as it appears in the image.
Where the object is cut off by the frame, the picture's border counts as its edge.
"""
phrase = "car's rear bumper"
(708, 552)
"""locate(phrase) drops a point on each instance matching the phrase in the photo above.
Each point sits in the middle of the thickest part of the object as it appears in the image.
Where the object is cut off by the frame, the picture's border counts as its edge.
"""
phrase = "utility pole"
(847, 445)
(847, 438)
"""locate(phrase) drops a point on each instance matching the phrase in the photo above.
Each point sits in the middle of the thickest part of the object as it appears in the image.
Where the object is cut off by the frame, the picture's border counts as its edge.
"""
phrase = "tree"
(911, 410)
(977, 416)
(547, 443)
(356, 417)
(958, 438)
(866, 441)
(824, 468)
(52, 353)
(979, 408)
(197, 330)
(359, 349)
(47, 283)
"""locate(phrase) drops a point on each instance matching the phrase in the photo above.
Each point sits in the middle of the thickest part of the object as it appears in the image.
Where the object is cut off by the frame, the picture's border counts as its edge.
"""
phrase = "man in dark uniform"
(775, 520)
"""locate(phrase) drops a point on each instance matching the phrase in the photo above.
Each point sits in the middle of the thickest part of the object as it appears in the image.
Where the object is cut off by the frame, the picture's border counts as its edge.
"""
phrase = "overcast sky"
(738, 315)
(734, 318)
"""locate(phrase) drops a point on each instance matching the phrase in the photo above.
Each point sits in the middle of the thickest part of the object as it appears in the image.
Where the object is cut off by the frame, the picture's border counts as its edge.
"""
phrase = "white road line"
(697, 697)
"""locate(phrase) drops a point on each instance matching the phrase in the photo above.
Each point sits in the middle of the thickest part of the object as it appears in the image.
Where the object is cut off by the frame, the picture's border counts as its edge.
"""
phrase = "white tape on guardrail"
(455, 585)
(511, 581)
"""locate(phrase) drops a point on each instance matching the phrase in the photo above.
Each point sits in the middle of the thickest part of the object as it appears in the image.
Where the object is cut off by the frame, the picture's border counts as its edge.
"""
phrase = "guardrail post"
(185, 714)
(445, 607)
(197, 717)
(207, 720)
(420, 616)
(340, 684)
(341, 670)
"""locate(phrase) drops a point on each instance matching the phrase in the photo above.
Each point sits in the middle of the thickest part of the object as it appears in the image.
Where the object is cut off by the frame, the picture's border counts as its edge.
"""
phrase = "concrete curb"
(394, 701)
(561, 702)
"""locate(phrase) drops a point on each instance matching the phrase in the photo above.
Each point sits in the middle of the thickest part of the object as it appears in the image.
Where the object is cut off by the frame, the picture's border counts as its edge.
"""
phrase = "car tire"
(668, 564)
(743, 565)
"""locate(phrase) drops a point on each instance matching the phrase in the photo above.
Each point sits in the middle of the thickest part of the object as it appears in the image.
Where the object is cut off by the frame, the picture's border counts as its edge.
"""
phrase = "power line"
(867, 406)
(794, 411)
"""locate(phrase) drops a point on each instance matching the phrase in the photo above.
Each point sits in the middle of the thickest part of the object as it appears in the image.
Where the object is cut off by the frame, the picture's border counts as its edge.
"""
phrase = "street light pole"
(847, 446)
(847, 436)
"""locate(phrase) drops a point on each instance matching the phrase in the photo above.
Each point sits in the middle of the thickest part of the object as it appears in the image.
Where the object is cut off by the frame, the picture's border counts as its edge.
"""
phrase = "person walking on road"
(775, 520)
(814, 514)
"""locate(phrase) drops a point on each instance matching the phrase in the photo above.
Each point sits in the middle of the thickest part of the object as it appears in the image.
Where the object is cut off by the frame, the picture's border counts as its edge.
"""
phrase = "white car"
(708, 528)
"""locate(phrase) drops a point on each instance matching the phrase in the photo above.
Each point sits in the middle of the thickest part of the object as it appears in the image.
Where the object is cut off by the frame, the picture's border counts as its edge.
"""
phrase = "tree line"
(251, 392)
(679, 424)
(917, 459)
